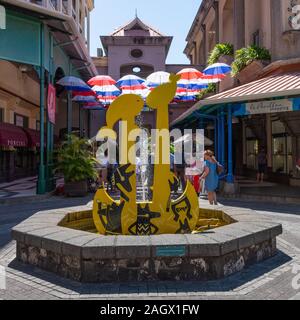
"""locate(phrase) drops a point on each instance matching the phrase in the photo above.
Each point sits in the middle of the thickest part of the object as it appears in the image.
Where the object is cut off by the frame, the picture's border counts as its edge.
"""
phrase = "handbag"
(220, 168)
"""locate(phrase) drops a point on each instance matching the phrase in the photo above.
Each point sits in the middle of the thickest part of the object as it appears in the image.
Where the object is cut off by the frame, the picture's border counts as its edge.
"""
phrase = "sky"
(170, 17)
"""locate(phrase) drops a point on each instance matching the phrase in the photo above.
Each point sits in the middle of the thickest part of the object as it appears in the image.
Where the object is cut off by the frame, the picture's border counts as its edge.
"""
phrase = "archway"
(138, 69)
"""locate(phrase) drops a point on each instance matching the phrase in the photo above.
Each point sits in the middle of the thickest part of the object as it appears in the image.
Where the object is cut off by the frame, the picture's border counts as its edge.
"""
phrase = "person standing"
(262, 165)
(211, 176)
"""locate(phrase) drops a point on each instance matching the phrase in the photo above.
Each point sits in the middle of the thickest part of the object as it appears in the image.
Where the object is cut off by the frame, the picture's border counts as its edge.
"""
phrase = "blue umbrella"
(73, 84)
(217, 70)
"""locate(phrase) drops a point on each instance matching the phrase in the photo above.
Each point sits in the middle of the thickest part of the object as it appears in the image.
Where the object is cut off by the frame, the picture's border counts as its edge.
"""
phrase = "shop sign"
(274, 106)
(14, 143)
(51, 103)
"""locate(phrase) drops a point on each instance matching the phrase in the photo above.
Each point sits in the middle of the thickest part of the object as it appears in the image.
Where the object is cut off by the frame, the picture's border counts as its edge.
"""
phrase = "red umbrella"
(101, 81)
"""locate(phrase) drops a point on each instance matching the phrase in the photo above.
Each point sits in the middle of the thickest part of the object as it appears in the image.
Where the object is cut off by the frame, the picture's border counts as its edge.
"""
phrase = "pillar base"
(41, 184)
(229, 188)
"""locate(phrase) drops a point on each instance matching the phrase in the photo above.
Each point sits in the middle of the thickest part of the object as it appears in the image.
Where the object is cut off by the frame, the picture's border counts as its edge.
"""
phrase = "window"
(136, 53)
(282, 149)
(136, 69)
(1, 115)
(252, 149)
(252, 152)
(21, 121)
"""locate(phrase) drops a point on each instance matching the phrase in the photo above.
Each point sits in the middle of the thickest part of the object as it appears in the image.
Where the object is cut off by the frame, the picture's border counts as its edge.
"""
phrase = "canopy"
(12, 136)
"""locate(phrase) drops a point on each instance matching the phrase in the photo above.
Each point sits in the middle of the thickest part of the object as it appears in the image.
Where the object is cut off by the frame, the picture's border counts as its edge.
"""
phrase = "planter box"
(252, 71)
(226, 59)
(76, 189)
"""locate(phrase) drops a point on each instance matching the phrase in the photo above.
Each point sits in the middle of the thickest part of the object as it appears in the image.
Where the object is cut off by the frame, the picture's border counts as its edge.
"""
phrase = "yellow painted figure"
(161, 215)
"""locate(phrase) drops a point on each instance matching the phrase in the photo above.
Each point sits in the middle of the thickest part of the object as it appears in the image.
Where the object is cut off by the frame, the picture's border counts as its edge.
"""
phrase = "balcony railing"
(73, 8)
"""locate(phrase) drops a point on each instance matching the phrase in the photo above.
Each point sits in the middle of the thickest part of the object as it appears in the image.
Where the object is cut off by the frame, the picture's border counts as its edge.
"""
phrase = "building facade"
(139, 49)
(270, 24)
(41, 42)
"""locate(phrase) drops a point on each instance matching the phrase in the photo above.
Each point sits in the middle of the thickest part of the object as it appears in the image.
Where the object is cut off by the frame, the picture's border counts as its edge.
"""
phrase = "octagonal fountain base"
(63, 241)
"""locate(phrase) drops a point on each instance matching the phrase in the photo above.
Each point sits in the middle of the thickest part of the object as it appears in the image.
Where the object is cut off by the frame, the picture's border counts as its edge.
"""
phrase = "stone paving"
(272, 279)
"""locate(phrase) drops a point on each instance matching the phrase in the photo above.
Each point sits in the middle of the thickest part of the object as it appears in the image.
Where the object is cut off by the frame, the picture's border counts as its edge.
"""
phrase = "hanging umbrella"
(143, 91)
(130, 81)
(190, 74)
(94, 106)
(216, 72)
(84, 96)
(89, 93)
(101, 81)
(157, 78)
(190, 84)
(84, 99)
(73, 84)
(132, 84)
(106, 94)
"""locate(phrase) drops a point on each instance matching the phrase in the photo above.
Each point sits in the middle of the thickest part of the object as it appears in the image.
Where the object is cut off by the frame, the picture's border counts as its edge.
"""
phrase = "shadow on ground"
(282, 208)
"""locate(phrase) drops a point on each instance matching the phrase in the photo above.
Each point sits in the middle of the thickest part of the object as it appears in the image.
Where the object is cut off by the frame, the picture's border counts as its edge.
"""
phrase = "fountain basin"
(64, 242)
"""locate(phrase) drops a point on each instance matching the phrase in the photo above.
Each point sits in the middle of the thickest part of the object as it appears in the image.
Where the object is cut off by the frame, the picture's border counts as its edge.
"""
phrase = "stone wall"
(44, 242)
(139, 269)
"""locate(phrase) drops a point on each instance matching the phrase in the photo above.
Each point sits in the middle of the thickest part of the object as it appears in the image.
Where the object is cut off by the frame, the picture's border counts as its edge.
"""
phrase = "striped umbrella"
(93, 106)
(84, 96)
(130, 81)
(190, 74)
(106, 94)
(73, 84)
(216, 72)
(191, 83)
(157, 78)
(101, 81)
(132, 84)
(84, 99)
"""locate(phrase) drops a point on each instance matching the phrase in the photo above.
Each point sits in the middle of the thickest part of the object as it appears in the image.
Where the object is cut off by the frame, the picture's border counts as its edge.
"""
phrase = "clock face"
(136, 53)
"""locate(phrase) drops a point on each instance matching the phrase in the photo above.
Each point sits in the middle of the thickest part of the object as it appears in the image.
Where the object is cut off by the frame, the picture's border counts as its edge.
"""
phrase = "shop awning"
(271, 87)
(33, 138)
(12, 136)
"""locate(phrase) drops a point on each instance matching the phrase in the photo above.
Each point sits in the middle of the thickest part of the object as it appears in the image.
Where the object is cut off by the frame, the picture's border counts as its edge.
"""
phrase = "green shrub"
(75, 160)
(245, 56)
(219, 50)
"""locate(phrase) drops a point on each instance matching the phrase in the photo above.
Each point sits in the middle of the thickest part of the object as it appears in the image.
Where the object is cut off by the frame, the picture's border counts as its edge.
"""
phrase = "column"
(269, 141)
(69, 111)
(244, 145)
(41, 185)
(230, 178)
(203, 29)
(217, 20)
(88, 31)
(239, 24)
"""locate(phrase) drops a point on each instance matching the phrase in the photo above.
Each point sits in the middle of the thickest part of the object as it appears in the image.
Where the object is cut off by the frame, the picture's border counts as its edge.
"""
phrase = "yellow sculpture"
(162, 215)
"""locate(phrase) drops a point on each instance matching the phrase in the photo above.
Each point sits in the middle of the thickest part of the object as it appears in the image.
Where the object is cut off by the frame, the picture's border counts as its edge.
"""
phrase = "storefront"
(30, 61)
(262, 115)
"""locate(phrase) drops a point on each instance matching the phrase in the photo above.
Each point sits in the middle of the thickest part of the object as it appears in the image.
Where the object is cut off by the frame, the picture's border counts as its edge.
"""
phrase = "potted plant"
(222, 52)
(77, 164)
(249, 62)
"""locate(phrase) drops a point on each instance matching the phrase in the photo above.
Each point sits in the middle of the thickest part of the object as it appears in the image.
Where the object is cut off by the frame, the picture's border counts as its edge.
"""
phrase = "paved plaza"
(275, 278)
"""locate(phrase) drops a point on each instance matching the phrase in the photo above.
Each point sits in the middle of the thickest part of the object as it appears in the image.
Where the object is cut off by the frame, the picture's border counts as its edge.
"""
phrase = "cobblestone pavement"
(272, 279)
